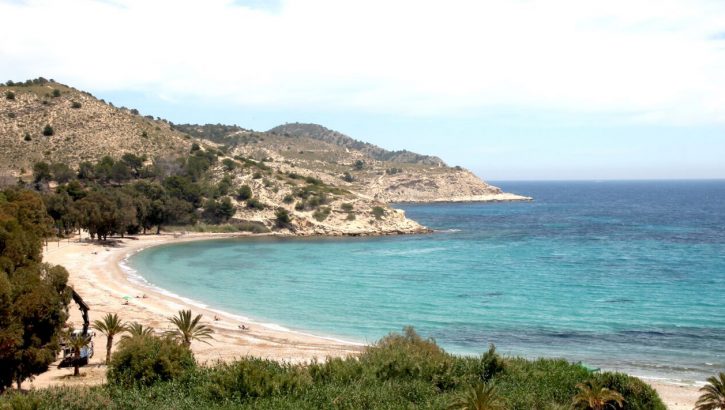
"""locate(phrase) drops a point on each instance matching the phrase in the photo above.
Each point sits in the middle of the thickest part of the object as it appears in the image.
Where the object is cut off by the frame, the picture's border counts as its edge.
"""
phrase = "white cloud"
(657, 62)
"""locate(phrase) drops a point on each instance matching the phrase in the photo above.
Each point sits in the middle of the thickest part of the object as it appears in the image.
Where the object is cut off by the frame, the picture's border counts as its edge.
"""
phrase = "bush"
(147, 360)
(254, 203)
(378, 212)
(229, 164)
(347, 207)
(282, 217)
(48, 130)
(75, 104)
(55, 93)
(637, 394)
(9, 95)
(245, 192)
(288, 199)
(27, 137)
(300, 206)
(321, 214)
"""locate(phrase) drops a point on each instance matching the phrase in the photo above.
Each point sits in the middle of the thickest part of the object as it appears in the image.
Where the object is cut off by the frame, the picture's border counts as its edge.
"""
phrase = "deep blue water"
(624, 275)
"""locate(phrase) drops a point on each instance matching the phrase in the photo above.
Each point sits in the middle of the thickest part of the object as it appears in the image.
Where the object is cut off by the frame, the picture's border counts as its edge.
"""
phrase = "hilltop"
(328, 182)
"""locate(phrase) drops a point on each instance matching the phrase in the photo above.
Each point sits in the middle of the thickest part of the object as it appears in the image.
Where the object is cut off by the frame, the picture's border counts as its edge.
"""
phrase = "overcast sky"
(510, 89)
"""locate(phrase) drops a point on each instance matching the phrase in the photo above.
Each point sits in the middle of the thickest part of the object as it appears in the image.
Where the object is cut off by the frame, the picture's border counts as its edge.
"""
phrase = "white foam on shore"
(135, 277)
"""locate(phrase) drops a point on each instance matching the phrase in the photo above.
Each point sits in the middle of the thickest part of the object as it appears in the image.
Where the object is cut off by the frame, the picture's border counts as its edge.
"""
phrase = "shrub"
(11, 115)
(300, 206)
(48, 130)
(282, 217)
(378, 212)
(321, 214)
(347, 207)
(55, 93)
(254, 203)
(147, 360)
(229, 164)
(637, 394)
(347, 177)
(27, 137)
(245, 192)
(195, 147)
(288, 199)
(75, 104)
(9, 95)
(359, 165)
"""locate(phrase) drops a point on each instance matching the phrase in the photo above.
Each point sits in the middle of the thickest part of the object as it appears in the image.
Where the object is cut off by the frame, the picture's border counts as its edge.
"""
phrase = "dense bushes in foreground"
(401, 371)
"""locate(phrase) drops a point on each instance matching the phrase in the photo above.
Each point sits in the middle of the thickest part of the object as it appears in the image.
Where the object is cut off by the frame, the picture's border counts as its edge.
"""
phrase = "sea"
(622, 275)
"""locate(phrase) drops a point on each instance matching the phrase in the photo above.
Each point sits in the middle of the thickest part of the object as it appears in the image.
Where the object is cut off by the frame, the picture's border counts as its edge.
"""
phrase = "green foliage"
(713, 394)
(282, 217)
(9, 95)
(61, 173)
(75, 105)
(55, 93)
(288, 199)
(111, 325)
(27, 137)
(359, 165)
(229, 164)
(479, 397)
(402, 371)
(321, 214)
(639, 395)
(189, 329)
(378, 212)
(41, 172)
(245, 192)
(143, 361)
(33, 296)
(254, 203)
(347, 207)
(48, 130)
(593, 396)
(219, 211)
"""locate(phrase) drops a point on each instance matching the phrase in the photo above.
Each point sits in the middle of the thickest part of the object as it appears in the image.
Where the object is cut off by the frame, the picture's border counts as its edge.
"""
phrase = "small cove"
(623, 275)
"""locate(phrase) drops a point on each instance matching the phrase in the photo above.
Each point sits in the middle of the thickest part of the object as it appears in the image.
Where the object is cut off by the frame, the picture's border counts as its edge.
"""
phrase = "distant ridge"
(321, 133)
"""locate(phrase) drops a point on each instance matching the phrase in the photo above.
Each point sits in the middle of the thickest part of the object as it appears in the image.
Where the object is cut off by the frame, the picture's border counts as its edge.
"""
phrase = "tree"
(41, 172)
(136, 329)
(77, 341)
(188, 329)
(482, 396)
(33, 296)
(359, 165)
(61, 172)
(713, 394)
(134, 162)
(110, 326)
(593, 396)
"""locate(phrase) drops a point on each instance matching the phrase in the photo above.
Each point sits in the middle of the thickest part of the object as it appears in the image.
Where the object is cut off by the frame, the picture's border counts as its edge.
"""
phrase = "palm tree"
(136, 329)
(77, 341)
(482, 396)
(713, 394)
(110, 326)
(188, 329)
(593, 396)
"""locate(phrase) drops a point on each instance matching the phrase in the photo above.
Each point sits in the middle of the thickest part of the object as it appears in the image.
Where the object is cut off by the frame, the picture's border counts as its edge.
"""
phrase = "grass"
(401, 371)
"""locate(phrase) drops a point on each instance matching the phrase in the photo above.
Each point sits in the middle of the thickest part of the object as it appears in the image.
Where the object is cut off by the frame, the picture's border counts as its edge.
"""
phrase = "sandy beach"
(96, 274)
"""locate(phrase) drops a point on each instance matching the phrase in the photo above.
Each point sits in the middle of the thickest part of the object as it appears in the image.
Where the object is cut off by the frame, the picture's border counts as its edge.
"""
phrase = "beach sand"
(96, 274)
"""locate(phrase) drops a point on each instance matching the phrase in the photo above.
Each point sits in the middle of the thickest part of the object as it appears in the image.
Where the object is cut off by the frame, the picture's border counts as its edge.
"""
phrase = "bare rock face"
(437, 185)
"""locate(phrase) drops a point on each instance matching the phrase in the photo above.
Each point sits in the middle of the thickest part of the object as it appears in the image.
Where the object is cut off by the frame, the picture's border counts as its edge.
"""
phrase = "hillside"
(387, 176)
(328, 182)
(83, 128)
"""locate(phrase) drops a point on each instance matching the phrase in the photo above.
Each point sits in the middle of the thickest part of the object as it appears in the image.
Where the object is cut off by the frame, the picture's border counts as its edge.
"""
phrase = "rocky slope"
(354, 180)
(83, 128)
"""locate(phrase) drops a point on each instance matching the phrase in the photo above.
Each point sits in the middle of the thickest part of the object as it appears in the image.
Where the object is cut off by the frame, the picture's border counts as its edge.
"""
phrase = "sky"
(513, 90)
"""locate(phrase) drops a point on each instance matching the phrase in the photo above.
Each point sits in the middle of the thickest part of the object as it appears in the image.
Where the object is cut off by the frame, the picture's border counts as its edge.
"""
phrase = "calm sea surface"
(624, 275)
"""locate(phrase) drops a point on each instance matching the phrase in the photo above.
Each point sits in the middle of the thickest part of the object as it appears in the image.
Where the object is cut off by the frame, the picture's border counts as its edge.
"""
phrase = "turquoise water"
(624, 275)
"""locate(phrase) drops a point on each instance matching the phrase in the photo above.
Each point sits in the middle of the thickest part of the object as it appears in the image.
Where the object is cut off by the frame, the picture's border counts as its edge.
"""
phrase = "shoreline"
(96, 272)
